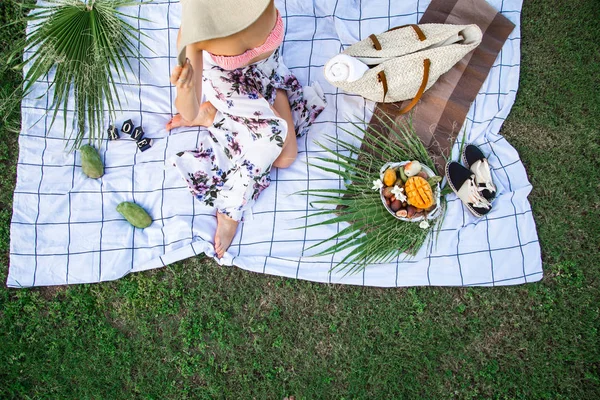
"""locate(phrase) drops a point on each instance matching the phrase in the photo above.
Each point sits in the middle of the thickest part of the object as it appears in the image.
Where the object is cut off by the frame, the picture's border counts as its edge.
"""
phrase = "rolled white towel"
(344, 68)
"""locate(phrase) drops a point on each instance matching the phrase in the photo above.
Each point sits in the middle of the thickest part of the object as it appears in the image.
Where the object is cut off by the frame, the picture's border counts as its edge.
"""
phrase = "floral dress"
(232, 163)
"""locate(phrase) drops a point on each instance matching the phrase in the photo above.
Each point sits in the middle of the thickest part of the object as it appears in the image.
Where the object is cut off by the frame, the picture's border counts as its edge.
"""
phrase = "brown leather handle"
(375, 41)
(383, 79)
(418, 31)
(415, 100)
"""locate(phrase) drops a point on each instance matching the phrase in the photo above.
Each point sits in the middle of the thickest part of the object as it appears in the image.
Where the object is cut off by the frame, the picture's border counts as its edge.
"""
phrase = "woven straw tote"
(407, 60)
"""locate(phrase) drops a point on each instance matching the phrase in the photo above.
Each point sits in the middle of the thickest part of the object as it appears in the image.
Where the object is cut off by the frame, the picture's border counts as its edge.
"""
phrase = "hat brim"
(201, 21)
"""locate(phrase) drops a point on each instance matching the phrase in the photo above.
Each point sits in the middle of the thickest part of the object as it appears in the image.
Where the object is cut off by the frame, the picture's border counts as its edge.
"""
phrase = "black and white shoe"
(462, 182)
(475, 161)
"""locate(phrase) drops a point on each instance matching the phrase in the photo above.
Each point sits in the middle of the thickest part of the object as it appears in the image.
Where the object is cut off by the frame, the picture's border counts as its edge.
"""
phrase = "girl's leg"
(226, 226)
(206, 116)
(247, 178)
(289, 151)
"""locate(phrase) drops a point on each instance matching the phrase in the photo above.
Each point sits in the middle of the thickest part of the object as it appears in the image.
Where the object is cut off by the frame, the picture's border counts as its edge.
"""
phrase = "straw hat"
(210, 19)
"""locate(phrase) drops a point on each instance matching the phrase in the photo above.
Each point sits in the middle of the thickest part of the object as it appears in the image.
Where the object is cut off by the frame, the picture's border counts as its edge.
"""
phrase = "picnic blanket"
(65, 228)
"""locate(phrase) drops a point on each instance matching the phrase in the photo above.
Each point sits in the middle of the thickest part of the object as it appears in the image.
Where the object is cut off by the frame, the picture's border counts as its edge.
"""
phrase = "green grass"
(197, 330)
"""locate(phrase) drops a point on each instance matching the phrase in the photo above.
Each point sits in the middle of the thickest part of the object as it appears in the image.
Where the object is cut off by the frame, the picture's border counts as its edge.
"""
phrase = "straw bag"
(405, 61)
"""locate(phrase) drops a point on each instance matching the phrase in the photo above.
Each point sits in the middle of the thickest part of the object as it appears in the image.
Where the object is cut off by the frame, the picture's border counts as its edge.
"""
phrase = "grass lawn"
(197, 330)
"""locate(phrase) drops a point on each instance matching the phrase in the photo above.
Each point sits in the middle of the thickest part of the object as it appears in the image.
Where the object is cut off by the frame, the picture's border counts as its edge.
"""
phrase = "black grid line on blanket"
(275, 182)
(337, 149)
(162, 192)
(295, 15)
(69, 218)
(487, 225)
(360, 13)
(92, 222)
(141, 116)
(102, 219)
(507, 176)
(389, 26)
(38, 191)
(306, 137)
(521, 245)
(462, 281)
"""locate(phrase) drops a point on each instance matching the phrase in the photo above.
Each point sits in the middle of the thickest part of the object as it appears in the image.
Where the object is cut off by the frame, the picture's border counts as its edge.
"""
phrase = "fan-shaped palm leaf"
(84, 48)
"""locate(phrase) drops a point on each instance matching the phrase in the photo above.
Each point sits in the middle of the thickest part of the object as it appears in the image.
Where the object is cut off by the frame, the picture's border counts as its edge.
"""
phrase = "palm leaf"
(370, 234)
(87, 46)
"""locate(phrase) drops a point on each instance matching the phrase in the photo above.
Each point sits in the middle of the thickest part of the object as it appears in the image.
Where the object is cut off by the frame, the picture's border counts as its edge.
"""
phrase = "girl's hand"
(188, 81)
(183, 77)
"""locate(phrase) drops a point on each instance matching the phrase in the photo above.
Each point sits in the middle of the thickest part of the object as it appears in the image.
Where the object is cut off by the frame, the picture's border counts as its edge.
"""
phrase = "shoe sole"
(471, 209)
(464, 156)
(464, 159)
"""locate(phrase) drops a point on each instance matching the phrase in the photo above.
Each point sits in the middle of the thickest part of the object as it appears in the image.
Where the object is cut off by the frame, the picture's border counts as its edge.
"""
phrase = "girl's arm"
(188, 80)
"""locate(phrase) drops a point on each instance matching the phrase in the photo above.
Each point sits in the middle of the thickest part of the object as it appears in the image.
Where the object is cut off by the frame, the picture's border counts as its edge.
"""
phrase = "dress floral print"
(232, 164)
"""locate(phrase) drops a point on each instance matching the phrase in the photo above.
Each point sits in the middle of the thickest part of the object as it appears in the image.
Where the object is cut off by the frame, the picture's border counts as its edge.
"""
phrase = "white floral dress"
(232, 163)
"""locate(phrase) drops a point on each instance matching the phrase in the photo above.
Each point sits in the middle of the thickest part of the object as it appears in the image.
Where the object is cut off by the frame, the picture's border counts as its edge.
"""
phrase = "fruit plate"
(428, 215)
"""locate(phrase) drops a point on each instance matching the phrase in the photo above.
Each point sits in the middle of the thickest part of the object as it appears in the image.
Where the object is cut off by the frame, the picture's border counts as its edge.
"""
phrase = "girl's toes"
(175, 122)
(217, 245)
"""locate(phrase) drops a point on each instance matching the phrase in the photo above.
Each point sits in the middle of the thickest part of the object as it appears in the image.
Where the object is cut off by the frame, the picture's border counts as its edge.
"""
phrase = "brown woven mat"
(439, 115)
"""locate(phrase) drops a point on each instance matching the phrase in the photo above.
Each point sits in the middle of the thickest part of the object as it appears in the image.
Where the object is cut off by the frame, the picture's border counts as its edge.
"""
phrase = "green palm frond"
(83, 47)
(369, 233)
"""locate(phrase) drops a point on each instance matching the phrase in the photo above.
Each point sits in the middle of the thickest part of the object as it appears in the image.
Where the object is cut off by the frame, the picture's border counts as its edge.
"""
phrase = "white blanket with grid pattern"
(65, 228)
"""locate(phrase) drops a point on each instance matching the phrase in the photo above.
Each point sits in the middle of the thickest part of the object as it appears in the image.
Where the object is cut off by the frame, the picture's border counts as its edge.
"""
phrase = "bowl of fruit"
(410, 191)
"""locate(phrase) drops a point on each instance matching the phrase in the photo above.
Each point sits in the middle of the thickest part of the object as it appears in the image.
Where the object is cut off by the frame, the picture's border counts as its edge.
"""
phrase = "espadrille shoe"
(476, 161)
(408, 60)
(462, 182)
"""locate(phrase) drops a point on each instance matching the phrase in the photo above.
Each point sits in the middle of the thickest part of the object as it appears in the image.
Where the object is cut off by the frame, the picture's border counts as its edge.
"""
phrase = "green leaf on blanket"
(83, 48)
(369, 234)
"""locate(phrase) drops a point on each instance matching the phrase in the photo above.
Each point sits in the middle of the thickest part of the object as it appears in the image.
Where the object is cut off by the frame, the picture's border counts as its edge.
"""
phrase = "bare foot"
(226, 228)
(205, 117)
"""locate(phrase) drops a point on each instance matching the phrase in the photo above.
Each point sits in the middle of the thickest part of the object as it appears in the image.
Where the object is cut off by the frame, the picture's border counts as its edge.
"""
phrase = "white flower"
(399, 193)
(424, 224)
(377, 185)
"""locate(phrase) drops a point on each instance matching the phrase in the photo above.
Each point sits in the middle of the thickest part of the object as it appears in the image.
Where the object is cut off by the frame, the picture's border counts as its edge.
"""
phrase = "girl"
(230, 48)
